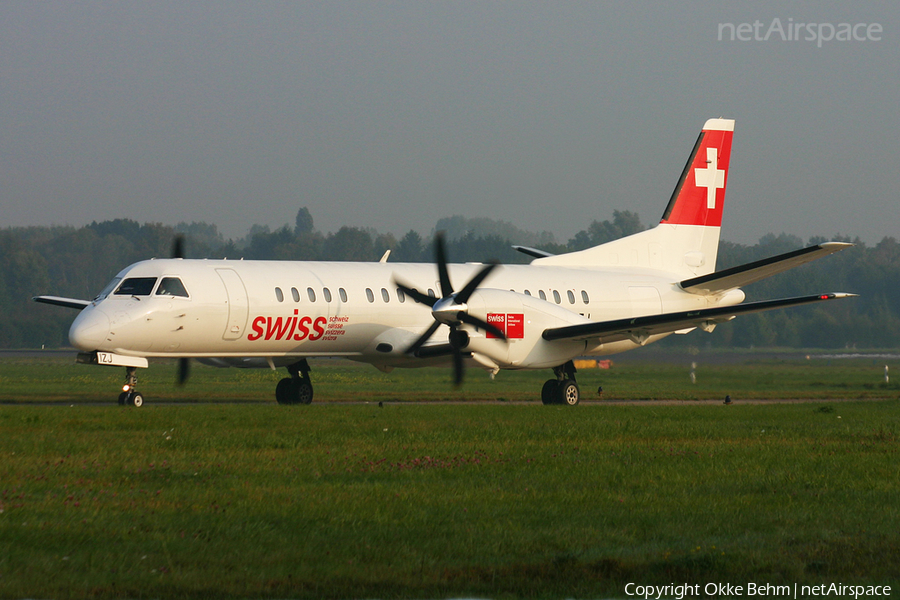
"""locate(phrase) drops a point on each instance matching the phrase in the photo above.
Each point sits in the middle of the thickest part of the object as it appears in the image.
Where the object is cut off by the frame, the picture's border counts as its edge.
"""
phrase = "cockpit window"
(171, 286)
(108, 289)
(136, 286)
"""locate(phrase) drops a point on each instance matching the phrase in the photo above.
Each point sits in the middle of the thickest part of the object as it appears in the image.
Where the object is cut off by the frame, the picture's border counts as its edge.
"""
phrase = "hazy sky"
(394, 114)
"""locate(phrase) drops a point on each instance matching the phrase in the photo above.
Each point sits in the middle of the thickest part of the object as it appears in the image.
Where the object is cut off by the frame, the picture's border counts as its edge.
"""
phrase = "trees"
(410, 248)
(349, 243)
(624, 223)
(303, 222)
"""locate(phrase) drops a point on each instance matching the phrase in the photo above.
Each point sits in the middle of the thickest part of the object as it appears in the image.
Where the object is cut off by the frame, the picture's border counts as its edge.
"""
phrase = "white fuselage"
(280, 311)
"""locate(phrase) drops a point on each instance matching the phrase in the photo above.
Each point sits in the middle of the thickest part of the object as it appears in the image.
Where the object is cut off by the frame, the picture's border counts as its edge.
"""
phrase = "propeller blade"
(178, 246)
(467, 318)
(423, 338)
(444, 313)
(459, 368)
(184, 370)
(416, 294)
(463, 296)
(440, 257)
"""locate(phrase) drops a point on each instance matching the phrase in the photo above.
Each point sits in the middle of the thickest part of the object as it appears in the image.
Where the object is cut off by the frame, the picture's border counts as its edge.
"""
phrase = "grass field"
(418, 500)
(59, 379)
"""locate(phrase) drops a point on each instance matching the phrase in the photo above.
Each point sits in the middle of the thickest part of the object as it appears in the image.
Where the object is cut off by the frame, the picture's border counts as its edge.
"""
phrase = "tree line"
(77, 262)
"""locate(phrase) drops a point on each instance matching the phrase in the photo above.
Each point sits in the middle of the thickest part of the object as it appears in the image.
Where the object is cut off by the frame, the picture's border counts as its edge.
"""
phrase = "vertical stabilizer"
(700, 194)
(686, 240)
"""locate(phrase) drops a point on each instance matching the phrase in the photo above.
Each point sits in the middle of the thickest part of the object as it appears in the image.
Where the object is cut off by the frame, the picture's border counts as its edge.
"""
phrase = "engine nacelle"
(523, 318)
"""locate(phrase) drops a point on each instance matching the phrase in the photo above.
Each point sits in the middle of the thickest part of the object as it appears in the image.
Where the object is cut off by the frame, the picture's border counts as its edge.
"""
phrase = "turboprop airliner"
(608, 299)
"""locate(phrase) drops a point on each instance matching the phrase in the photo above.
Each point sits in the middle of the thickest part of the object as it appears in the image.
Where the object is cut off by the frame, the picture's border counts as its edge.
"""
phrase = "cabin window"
(279, 295)
(295, 294)
(385, 296)
(584, 297)
(327, 293)
(369, 295)
(542, 294)
(571, 296)
(136, 286)
(527, 293)
(556, 297)
(401, 296)
(311, 293)
(431, 292)
(171, 286)
(343, 294)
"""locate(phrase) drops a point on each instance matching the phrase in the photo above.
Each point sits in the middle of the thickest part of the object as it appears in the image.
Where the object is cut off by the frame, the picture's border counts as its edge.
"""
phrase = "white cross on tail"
(712, 177)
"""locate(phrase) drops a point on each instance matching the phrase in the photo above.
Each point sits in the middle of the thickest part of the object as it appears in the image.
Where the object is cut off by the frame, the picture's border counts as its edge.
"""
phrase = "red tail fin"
(700, 193)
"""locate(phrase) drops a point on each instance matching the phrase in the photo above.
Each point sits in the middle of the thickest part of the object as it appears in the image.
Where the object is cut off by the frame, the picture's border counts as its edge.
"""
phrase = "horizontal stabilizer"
(533, 252)
(642, 327)
(66, 302)
(736, 277)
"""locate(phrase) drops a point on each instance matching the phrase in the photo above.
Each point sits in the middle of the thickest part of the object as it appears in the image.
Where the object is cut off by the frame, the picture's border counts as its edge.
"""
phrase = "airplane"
(607, 299)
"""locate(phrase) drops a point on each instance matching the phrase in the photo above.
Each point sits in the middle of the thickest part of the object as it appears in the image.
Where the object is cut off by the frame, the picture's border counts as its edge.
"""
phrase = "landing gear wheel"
(283, 391)
(123, 397)
(136, 400)
(548, 392)
(568, 392)
(303, 391)
(294, 390)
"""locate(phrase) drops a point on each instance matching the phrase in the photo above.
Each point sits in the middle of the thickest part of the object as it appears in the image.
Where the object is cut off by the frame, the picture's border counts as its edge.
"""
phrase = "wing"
(639, 328)
(66, 302)
(736, 277)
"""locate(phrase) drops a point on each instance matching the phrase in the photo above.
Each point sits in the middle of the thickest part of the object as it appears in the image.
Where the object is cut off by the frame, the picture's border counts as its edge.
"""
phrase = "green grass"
(431, 501)
(418, 500)
(61, 380)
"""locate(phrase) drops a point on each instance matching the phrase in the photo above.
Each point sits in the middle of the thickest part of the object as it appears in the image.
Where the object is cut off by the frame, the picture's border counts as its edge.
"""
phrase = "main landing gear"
(296, 389)
(130, 396)
(563, 389)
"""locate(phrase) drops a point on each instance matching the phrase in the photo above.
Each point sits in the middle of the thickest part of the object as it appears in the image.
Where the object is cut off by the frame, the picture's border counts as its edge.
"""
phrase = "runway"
(584, 403)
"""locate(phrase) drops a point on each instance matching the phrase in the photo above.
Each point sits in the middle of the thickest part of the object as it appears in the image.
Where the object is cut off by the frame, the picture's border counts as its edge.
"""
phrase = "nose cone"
(89, 330)
(446, 310)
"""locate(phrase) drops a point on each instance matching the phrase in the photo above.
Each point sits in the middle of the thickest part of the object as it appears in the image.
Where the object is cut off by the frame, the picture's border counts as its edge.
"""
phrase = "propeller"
(184, 370)
(451, 308)
(184, 364)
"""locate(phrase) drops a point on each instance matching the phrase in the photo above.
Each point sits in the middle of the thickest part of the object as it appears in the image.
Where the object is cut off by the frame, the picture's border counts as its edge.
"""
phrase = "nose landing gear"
(130, 396)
